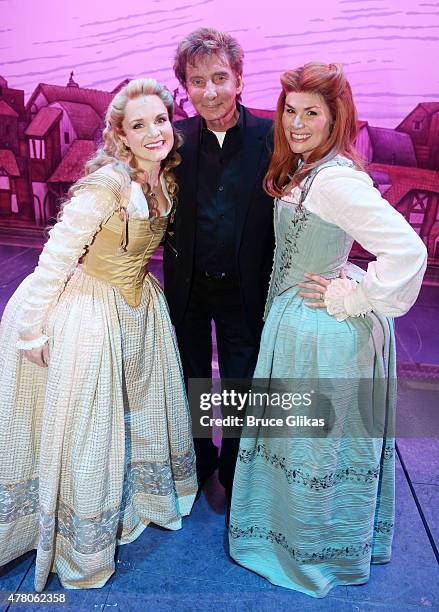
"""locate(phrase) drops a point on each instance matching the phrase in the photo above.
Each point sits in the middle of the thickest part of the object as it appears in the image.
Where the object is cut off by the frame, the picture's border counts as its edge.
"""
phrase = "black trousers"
(220, 301)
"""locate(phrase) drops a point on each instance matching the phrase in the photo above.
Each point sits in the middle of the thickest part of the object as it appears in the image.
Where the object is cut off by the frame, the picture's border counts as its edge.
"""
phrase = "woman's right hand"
(39, 355)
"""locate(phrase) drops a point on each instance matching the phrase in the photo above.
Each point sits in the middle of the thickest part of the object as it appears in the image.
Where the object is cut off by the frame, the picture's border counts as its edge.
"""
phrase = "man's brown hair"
(206, 42)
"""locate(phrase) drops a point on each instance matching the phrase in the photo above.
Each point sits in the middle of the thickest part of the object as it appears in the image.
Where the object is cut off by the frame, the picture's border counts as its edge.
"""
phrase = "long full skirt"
(97, 445)
(310, 513)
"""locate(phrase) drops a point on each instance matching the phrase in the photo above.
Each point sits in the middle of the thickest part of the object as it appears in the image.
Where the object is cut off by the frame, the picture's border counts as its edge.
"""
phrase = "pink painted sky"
(389, 48)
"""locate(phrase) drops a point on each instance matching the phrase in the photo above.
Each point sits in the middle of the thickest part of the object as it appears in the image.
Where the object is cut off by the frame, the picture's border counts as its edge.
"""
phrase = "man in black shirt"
(219, 251)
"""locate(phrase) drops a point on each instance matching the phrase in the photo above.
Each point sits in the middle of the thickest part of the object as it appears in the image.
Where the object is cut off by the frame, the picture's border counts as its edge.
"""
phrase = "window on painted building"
(5, 183)
(37, 148)
(66, 138)
(417, 209)
(417, 125)
(14, 204)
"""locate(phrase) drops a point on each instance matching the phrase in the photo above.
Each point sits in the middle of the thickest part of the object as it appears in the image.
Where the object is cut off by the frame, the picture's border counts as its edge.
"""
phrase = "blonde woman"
(95, 436)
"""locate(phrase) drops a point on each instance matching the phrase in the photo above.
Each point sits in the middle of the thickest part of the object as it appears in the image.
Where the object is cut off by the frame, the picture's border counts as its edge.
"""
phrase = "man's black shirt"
(219, 176)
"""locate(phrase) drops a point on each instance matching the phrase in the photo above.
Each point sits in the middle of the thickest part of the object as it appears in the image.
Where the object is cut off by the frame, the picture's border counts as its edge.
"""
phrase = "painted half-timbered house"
(422, 125)
(15, 188)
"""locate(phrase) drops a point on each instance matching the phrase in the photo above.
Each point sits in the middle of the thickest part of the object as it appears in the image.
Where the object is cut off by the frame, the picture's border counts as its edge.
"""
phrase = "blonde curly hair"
(113, 150)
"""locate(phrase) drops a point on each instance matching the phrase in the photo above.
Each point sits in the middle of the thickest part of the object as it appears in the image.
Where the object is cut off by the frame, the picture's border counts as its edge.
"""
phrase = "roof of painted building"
(43, 122)
(84, 118)
(5, 109)
(3, 82)
(392, 147)
(403, 180)
(430, 107)
(99, 100)
(71, 167)
(8, 162)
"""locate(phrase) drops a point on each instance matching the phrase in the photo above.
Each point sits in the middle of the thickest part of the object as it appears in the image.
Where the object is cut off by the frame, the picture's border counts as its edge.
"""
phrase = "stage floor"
(190, 569)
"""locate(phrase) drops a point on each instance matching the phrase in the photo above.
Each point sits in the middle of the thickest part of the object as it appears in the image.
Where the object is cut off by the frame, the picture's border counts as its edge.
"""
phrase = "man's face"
(212, 87)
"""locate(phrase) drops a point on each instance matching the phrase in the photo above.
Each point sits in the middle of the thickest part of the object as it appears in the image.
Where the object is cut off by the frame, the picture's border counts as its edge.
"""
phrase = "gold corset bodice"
(120, 252)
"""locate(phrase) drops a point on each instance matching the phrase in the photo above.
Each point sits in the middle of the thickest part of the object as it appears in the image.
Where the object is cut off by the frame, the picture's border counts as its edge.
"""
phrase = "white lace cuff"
(344, 298)
(30, 344)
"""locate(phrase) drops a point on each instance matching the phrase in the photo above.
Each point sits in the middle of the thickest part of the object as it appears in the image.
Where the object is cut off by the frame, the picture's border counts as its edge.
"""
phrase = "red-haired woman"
(313, 512)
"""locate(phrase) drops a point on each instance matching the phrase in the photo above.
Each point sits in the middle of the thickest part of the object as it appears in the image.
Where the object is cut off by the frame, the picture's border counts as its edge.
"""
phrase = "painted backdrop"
(50, 119)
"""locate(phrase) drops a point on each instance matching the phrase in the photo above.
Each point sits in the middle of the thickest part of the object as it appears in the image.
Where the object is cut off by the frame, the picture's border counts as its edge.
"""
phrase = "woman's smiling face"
(147, 130)
(306, 122)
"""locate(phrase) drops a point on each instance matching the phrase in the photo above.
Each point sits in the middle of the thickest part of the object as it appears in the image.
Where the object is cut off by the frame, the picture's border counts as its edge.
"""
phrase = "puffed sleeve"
(81, 218)
(346, 197)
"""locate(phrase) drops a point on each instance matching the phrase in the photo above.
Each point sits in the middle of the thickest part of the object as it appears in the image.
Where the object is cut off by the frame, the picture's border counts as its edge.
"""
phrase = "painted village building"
(409, 182)
(44, 146)
(15, 187)
(62, 118)
(422, 125)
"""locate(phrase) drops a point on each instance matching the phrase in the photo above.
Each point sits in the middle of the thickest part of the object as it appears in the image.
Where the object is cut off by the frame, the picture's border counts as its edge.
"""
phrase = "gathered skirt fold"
(97, 445)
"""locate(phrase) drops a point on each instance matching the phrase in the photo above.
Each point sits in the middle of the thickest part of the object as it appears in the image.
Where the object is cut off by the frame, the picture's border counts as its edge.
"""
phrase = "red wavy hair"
(328, 81)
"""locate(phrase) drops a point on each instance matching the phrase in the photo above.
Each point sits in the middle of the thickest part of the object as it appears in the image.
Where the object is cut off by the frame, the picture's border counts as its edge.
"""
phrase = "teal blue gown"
(313, 513)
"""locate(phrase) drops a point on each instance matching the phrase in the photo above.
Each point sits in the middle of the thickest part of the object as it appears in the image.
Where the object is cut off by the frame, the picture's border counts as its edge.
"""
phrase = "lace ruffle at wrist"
(30, 344)
(342, 299)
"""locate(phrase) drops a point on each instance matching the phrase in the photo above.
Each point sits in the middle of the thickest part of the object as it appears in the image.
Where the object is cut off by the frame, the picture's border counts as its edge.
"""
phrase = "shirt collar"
(239, 124)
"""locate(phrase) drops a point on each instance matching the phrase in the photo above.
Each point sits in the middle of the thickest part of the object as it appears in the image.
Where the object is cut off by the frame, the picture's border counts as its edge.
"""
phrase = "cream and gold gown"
(99, 444)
